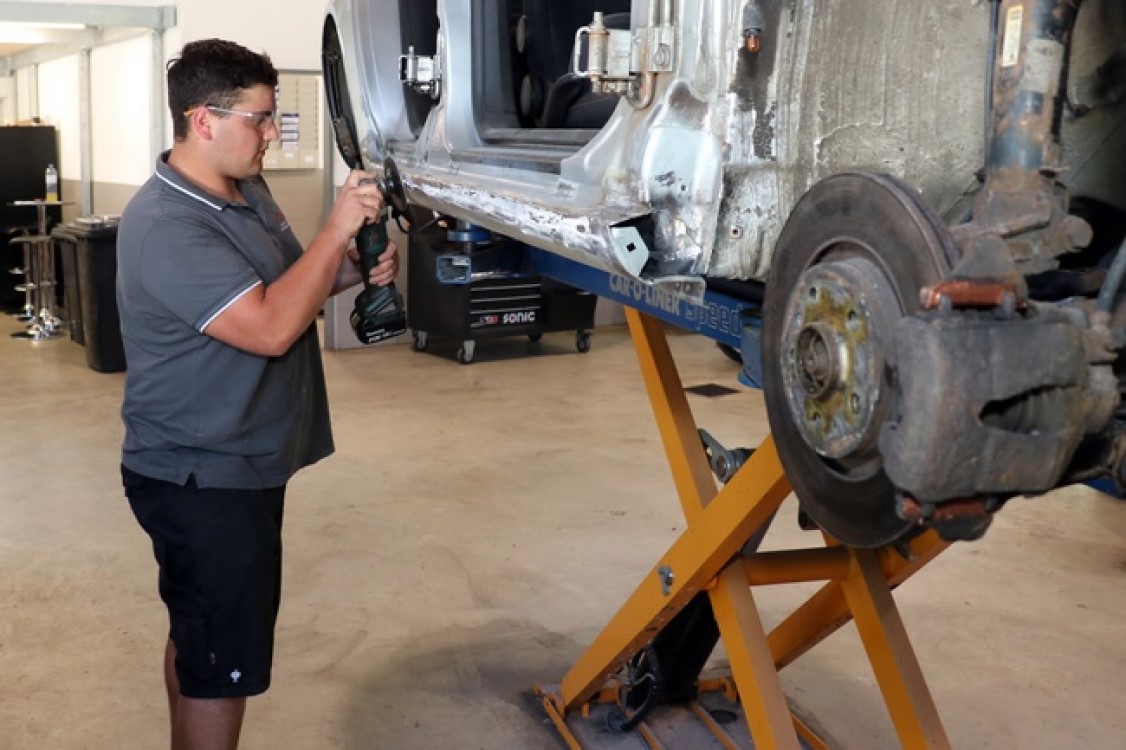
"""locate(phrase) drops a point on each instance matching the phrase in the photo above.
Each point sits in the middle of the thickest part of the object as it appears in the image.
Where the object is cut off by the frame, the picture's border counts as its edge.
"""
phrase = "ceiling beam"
(79, 41)
(48, 52)
(154, 17)
(49, 36)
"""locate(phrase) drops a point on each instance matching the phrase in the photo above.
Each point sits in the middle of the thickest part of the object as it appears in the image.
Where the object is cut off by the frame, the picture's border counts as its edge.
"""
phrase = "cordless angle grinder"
(379, 313)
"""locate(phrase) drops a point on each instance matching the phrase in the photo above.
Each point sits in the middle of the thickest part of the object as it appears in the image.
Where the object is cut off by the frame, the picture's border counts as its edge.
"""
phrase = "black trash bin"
(96, 256)
(66, 250)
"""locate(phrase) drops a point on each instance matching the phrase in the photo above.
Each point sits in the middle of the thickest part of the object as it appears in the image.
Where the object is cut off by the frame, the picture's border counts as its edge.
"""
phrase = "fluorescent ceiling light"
(16, 32)
(33, 25)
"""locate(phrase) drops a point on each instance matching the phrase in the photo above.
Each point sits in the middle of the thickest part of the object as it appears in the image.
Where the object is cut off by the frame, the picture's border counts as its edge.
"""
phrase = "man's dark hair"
(215, 72)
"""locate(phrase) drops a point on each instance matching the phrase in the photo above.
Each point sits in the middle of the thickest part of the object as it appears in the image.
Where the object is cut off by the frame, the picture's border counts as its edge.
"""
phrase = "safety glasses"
(261, 120)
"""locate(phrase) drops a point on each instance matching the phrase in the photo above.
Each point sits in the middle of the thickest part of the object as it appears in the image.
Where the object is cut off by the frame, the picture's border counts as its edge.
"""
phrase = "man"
(224, 391)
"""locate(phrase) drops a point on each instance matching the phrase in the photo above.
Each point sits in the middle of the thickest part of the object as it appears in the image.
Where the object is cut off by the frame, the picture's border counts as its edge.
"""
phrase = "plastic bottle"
(51, 177)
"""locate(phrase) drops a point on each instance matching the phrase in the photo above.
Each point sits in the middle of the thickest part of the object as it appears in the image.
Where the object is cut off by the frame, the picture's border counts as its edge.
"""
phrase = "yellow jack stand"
(706, 557)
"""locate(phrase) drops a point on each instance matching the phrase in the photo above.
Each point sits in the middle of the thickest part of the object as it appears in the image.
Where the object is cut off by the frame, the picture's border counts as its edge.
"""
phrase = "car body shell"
(709, 170)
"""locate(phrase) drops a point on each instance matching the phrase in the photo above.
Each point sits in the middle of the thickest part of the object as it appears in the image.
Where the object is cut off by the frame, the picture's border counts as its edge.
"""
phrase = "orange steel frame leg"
(706, 557)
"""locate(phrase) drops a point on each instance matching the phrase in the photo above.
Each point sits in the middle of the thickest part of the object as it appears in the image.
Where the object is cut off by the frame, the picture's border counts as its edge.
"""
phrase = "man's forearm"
(269, 319)
(300, 292)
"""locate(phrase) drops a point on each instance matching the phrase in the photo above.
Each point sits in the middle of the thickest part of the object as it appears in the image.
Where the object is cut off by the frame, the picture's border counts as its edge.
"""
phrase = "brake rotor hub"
(834, 361)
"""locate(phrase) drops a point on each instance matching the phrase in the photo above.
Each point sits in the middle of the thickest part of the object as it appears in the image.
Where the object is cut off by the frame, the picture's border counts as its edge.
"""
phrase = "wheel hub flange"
(833, 339)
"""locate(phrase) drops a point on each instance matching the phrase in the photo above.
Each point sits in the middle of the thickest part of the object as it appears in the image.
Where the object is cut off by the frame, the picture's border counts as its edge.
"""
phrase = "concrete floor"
(475, 529)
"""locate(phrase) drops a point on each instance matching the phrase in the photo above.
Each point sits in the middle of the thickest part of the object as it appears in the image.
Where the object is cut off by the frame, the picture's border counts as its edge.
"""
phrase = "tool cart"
(467, 284)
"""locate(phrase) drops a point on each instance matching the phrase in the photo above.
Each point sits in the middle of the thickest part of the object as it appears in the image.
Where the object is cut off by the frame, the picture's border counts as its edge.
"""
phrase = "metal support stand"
(27, 312)
(707, 557)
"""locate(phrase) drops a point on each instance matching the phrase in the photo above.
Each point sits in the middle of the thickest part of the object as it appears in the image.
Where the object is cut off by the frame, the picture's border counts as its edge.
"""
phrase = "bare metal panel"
(891, 86)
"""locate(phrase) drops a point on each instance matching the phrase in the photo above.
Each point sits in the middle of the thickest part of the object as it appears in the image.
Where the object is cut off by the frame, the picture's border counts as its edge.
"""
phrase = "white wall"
(120, 99)
(289, 31)
(120, 102)
(7, 100)
(58, 106)
(23, 95)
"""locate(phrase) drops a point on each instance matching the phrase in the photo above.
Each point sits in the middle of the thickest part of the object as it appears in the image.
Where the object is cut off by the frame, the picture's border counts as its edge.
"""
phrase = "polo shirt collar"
(178, 182)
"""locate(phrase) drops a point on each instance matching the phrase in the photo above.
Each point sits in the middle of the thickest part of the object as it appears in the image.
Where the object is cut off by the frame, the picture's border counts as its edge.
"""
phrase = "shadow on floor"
(467, 687)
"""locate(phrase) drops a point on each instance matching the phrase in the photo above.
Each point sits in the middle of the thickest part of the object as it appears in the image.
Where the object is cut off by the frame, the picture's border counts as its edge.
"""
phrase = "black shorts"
(219, 552)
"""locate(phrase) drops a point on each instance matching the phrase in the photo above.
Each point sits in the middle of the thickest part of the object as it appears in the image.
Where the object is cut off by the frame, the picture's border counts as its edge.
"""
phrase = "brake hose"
(649, 657)
(990, 61)
(1113, 280)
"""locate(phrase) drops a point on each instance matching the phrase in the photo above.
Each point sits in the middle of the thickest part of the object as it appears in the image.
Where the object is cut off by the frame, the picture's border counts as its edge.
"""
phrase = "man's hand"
(384, 272)
(355, 206)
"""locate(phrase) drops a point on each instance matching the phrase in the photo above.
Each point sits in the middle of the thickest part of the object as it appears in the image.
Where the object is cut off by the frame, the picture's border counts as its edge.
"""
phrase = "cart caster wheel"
(420, 341)
(582, 341)
(465, 352)
(535, 337)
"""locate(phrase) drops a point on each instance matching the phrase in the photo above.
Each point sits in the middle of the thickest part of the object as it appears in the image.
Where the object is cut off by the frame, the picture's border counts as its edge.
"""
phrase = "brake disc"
(849, 263)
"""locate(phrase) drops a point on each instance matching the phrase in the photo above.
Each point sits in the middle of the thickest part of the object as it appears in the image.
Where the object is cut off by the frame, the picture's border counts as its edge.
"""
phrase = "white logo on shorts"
(235, 675)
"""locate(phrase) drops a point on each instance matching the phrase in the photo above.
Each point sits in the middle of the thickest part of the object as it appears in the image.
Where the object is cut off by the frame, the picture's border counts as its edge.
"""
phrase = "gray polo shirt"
(194, 405)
